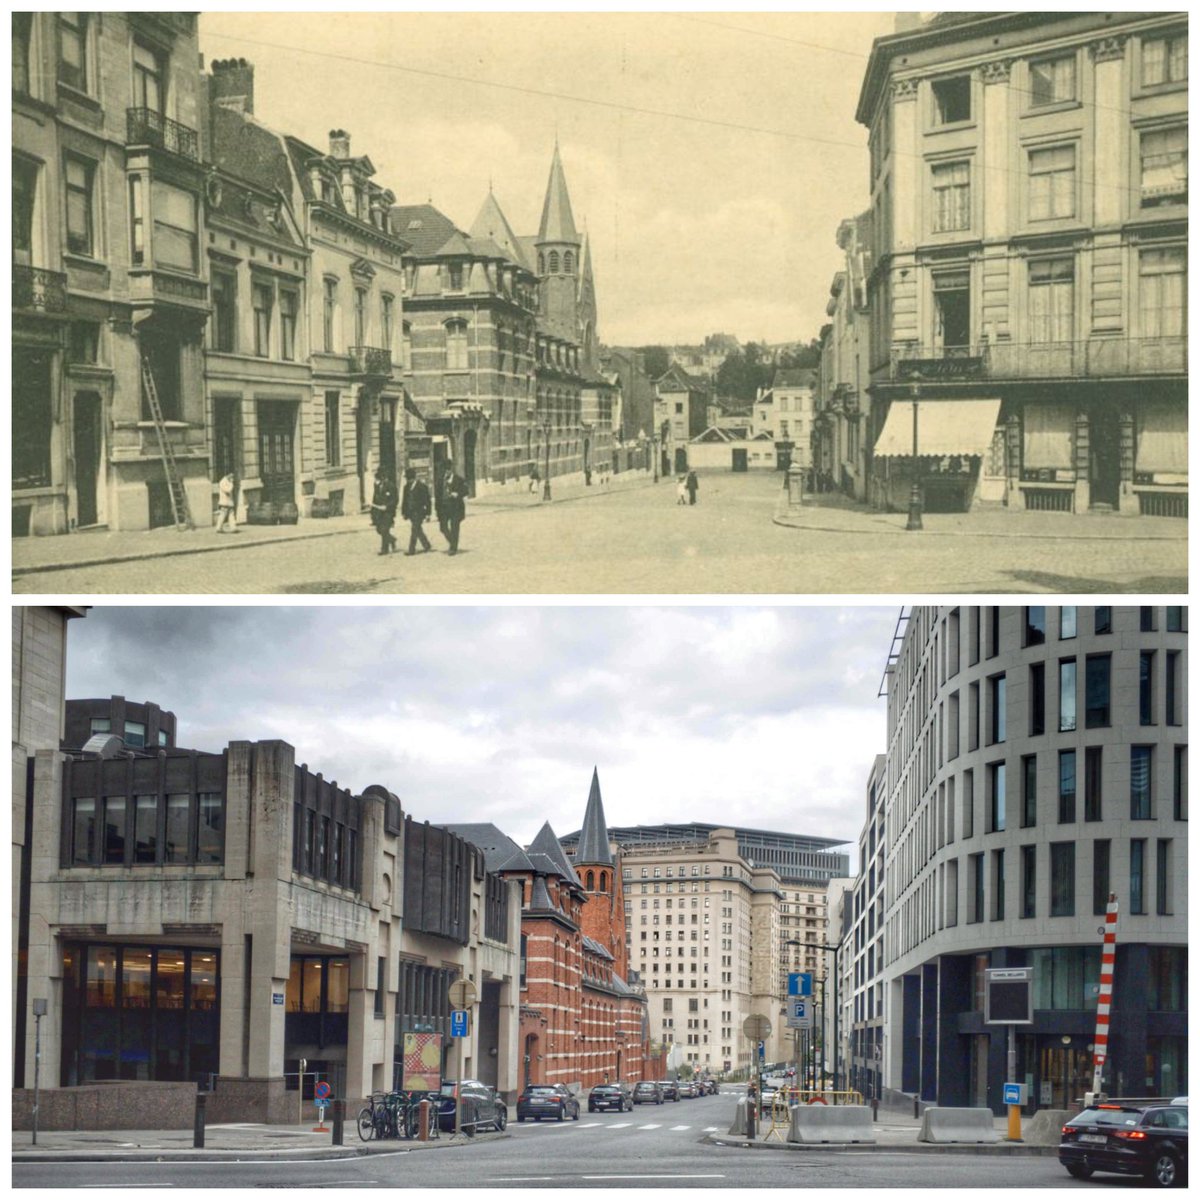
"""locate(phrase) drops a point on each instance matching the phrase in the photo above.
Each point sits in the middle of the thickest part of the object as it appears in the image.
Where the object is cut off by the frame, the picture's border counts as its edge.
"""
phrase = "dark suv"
(610, 1095)
(1149, 1140)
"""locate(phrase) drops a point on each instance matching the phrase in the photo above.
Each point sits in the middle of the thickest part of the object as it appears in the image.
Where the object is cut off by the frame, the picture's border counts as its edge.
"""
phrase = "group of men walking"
(416, 505)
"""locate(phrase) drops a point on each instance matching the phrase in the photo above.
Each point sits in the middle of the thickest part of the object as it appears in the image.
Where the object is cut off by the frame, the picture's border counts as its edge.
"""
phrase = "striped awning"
(944, 427)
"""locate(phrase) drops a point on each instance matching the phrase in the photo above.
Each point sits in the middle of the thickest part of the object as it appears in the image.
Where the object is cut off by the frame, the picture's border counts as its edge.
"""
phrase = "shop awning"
(944, 427)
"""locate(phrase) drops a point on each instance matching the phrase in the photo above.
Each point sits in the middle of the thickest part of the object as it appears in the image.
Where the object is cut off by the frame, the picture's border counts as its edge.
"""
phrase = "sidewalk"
(32, 555)
(221, 1142)
(832, 513)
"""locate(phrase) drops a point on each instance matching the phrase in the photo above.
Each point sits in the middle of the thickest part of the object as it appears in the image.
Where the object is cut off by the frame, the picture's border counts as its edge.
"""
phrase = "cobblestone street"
(638, 540)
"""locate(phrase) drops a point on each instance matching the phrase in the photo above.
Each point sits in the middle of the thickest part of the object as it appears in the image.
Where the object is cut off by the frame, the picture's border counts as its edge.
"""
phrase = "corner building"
(1028, 277)
(1037, 762)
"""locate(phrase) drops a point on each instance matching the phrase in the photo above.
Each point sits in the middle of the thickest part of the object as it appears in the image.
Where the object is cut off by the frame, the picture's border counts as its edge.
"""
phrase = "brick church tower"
(603, 918)
(558, 245)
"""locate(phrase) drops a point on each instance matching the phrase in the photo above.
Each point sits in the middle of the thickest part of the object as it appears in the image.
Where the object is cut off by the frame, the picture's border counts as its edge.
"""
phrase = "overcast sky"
(754, 716)
(711, 156)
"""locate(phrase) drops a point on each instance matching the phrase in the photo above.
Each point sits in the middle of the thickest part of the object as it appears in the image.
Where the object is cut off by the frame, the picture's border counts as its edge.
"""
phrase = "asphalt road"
(654, 1146)
(640, 541)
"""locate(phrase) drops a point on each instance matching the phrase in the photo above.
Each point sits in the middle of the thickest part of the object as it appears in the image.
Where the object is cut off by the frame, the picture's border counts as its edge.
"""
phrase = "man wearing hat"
(452, 505)
(415, 507)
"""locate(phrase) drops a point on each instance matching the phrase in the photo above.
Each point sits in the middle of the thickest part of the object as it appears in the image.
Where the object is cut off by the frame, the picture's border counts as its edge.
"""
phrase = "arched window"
(591, 881)
(541, 263)
(456, 345)
(553, 262)
(568, 262)
(604, 881)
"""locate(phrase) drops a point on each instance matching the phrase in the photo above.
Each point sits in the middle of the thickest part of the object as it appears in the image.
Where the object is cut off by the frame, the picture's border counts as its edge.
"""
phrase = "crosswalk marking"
(621, 1125)
(649, 1126)
(677, 1128)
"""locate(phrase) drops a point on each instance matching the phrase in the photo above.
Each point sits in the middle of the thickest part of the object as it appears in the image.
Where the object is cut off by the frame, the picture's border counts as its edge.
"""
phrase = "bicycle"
(372, 1119)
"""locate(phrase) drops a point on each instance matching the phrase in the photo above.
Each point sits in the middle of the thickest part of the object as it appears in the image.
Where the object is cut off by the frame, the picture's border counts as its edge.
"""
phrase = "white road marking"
(712, 1129)
(649, 1126)
(591, 1125)
(677, 1128)
(651, 1176)
(94, 1185)
(620, 1125)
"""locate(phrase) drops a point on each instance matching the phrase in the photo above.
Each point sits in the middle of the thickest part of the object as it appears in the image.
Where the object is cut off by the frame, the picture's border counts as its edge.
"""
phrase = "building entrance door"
(1104, 459)
(1064, 1074)
(88, 439)
(740, 462)
(277, 451)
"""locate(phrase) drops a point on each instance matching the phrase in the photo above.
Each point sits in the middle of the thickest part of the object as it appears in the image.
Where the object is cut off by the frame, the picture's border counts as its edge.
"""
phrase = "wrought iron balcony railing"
(1094, 358)
(147, 127)
(39, 290)
(370, 360)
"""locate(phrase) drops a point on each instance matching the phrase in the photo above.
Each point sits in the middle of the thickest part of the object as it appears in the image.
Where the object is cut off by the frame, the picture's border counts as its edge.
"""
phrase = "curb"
(176, 552)
(741, 1143)
(781, 519)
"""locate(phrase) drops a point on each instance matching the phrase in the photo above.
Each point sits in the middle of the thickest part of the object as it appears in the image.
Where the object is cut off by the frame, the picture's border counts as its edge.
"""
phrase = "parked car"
(670, 1089)
(712, 1086)
(647, 1092)
(540, 1100)
(1149, 1140)
(610, 1095)
(482, 1107)
(689, 1089)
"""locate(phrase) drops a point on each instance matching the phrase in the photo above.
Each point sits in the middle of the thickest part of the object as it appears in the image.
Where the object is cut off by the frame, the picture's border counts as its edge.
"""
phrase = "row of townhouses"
(195, 293)
(235, 921)
(1036, 765)
(1009, 325)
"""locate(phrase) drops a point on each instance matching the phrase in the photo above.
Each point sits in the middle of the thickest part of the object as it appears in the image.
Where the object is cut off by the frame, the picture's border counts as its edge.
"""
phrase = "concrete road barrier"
(1044, 1128)
(958, 1125)
(831, 1123)
(741, 1121)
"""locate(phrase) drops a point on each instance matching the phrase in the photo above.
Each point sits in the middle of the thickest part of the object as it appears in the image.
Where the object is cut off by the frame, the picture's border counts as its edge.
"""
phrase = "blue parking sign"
(458, 1023)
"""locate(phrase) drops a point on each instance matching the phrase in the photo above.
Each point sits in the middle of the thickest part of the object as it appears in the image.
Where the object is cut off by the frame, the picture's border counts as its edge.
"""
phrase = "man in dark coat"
(451, 506)
(383, 510)
(415, 507)
(692, 484)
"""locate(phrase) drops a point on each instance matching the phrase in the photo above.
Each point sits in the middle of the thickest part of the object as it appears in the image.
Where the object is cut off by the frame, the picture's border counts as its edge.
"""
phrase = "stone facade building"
(1036, 765)
(109, 278)
(1029, 203)
(219, 917)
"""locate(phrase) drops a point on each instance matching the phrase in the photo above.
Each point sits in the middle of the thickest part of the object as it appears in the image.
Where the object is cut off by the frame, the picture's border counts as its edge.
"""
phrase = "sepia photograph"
(781, 303)
(305, 896)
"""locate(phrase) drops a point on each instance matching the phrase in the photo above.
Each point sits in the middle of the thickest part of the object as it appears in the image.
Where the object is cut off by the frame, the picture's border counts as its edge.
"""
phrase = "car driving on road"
(1149, 1140)
(550, 1100)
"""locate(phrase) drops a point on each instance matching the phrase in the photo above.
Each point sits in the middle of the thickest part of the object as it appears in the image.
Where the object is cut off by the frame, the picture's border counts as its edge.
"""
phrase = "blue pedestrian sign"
(800, 983)
(458, 1023)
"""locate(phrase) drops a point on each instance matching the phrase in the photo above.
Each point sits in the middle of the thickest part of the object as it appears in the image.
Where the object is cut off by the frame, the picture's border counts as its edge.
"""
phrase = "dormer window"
(454, 274)
(328, 191)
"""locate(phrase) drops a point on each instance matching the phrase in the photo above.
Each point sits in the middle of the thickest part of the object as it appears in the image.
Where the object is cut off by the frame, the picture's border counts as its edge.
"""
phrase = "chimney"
(339, 143)
(232, 84)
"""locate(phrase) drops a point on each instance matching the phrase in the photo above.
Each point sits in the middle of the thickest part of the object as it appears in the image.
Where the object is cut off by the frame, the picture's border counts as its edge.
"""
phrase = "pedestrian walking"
(452, 506)
(383, 510)
(227, 504)
(534, 478)
(681, 490)
(692, 484)
(415, 507)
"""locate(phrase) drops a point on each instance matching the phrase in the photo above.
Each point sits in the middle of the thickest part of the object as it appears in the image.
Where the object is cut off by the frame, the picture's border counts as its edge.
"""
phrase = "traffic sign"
(1014, 1093)
(756, 1027)
(321, 1102)
(323, 1091)
(800, 1012)
(762, 1050)
(800, 983)
(458, 1023)
(462, 993)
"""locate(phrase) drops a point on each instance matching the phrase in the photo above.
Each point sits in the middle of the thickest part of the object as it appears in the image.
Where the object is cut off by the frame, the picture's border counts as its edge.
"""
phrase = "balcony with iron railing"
(1093, 358)
(148, 127)
(37, 290)
(372, 361)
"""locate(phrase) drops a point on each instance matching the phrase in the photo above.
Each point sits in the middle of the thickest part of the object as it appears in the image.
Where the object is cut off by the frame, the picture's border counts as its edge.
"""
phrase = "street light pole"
(546, 482)
(835, 950)
(914, 500)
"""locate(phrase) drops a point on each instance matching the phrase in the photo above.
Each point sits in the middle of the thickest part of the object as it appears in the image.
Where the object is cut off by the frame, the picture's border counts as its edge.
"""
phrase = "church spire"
(558, 225)
(593, 848)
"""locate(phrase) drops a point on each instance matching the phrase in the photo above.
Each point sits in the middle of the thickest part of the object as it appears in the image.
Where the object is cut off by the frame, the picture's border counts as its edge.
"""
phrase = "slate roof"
(249, 151)
(539, 899)
(421, 225)
(491, 223)
(558, 223)
(595, 947)
(499, 850)
(593, 845)
(547, 856)
(795, 377)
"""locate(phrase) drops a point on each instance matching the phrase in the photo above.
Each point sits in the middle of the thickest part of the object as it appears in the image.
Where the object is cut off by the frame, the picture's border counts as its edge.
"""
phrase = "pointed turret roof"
(558, 225)
(547, 855)
(491, 223)
(593, 847)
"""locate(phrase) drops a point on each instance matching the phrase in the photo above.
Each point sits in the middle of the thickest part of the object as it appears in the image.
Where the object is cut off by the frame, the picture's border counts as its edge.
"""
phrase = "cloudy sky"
(754, 716)
(711, 155)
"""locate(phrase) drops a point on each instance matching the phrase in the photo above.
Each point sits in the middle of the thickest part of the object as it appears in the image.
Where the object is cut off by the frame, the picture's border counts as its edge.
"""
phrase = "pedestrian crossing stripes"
(633, 1125)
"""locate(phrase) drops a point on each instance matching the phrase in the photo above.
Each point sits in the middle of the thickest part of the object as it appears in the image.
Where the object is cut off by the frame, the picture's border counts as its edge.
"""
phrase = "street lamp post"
(914, 500)
(835, 950)
(546, 479)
